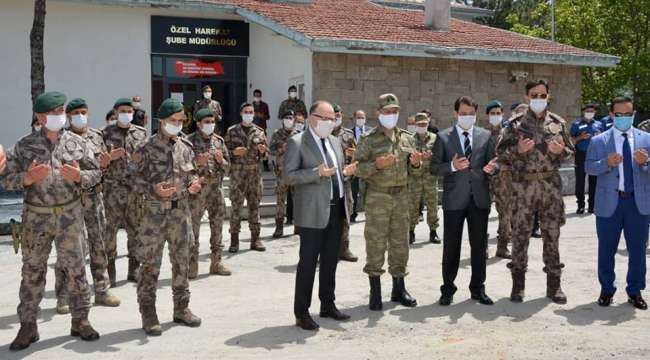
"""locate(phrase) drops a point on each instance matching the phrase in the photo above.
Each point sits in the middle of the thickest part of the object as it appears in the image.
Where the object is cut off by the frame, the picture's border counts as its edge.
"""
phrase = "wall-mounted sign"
(197, 68)
(178, 35)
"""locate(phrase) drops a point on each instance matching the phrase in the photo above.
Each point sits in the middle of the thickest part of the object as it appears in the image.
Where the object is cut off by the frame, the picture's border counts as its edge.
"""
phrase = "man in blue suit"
(619, 158)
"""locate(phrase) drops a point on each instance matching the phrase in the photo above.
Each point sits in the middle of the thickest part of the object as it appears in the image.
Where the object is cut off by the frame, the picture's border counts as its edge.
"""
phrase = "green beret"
(48, 101)
(493, 105)
(123, 102)
(288, 113)
(169, 107)
(421, 118)
(337, 108)
(202, 114)
(75, 104)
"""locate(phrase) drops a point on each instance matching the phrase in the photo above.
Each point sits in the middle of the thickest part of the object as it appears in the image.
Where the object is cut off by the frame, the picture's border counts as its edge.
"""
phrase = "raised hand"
(218, 156)
(240, 151)
(556, 147)
(71, 172)
(489, 168)
(195, 186)
(164, 189)
(117, 153)
(525, 145)
(641, 156)
(383, 162)
(460, 163)
(324, 171)
(202, 159)
(36, 173)
(614, 159)
(350, 169)
(3, 160)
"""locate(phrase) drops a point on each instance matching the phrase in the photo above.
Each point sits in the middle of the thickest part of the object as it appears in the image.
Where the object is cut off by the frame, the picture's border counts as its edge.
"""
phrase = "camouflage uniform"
(211, 196)
(296, 105)
(645, 126)
(346, 137)
(121, 202)
(536, 187)
(501, 189)
(245, 180)
(423, 186)
(52, 213)
(278, 141)
(214, 106)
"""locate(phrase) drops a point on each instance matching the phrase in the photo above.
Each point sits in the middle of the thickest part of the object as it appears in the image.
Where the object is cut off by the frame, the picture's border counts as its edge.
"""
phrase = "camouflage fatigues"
(645, 126)
(120, 201)
(211, 196)
(278, 140)
(95, 220)
(346, 137)
(536, 186)
(64, 227)
(423, 186)
(501, 190)
(296, 105)
(161, 159)
(213, 105)
(245, 176)
(386, 200)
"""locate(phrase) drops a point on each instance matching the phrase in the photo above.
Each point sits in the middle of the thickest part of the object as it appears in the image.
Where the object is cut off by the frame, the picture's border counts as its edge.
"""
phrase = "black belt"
(624, 194)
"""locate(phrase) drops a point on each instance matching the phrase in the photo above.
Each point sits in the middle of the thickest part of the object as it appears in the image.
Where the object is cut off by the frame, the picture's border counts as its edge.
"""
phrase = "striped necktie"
(467, 146)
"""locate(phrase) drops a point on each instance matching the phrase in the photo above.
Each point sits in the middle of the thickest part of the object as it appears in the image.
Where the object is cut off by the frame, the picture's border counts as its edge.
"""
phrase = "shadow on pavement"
(271, 338)
(591, 313)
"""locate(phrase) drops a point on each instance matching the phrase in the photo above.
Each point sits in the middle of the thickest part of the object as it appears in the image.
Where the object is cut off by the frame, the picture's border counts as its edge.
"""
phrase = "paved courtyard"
(249, 315)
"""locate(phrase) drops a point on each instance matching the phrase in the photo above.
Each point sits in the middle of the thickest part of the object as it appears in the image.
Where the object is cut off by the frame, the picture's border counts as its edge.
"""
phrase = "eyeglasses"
(539, 96)
(324, 118)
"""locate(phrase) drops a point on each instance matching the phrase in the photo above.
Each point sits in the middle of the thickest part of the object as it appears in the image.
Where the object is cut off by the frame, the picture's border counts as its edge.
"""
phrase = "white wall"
(275, 60)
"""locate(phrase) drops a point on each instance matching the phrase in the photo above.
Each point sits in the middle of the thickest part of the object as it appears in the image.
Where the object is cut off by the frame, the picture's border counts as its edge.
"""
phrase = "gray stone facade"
(355, 81)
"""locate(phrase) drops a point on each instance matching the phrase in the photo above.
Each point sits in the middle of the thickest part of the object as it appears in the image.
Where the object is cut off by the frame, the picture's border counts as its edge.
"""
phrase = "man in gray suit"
(463, 154)
(314, 167)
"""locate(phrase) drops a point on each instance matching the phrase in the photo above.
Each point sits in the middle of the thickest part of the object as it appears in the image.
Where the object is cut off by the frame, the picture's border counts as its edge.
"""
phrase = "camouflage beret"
(202, 114)
(75, 104)
(493, 105)
(421, 118)
(123, 102)
(388, 101)
(169, 107)
(48, 101)
(337, 107)
(288, 113)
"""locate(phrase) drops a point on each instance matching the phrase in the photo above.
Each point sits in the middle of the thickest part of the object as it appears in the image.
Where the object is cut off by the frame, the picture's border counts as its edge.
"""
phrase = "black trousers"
(315, 243)
(355, 194)
(289, 205)
(580, 181)
(477, 221)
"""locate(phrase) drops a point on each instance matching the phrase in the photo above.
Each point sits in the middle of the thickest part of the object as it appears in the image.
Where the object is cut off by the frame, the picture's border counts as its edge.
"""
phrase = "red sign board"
(198, 68)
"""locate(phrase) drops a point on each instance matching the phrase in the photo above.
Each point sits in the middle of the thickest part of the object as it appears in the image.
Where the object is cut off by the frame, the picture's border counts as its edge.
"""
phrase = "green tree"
(36, 49)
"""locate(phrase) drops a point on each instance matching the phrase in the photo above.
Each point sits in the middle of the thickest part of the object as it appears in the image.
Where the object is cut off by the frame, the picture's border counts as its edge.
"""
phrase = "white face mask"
(538, 105)
(589, 115)
(299, 127)
(361, 122)
(324, 128)
(136, 105)
(338, 122)
(172, 130)
(388, 121)
(466, 121)
(293, 95)
(421, 130)
(257, 99)
(288, 123)
(411, 128)
(496, 119)
(55, 122)
(207, 95)
(37, 128)
(208, 129)
(247, 119)
(124, 118)
(112, 122)
(79, 121)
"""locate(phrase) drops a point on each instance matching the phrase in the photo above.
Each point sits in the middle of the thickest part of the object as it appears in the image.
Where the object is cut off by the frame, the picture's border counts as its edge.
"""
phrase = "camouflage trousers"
(210, 199)
(281, 191)
(501, 189)
(423, 189)
(93, 209)
(544, 197)
(246, 185)
(345, 228)
(122, 208)
(386, 229)
(66, 231)
(160, 224)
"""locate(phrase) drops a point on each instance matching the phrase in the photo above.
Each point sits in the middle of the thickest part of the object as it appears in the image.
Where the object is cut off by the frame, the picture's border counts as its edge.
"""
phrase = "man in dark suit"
(463, 154)
(314, 167)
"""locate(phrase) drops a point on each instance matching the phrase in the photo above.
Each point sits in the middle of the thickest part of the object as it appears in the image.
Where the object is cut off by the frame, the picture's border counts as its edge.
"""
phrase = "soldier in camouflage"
(247, 144)
(292, 103)
(422, 185)
(386, 155)
(213, 105)
(534, 146)
(213, 164)
(349, 144)
(51, 166)
(167, 176)
(94, 218)
(121, 202)
(278, 148)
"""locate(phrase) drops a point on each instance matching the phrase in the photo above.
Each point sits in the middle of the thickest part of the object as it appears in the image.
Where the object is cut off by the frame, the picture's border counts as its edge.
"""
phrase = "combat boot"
(256, 243)
(27, 335)
(345, 254)
(518, 286)
(554, 290)
(82, 328)
(132, 275)
(62, 306)
(193, 269)
(279, 228)
(411, 236)
(399, 293)
(502, 248)
(234, 243)
(375, 294)
(183, 315)
(107, 299)
(150, 323)
(217, 267)
(111, 272)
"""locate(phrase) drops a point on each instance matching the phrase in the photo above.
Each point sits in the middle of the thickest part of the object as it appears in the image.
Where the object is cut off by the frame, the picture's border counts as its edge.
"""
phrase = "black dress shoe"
(536, 234)
(330, 311)
(590, 211)
(638, 302)
(605, 299)
(305, 322)
(482, 298)
(581, 210)
(433, 237)
(446, 300)
(353, 218)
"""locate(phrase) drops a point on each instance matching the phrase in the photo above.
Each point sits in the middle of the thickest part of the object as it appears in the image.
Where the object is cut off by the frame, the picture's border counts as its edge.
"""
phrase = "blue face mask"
(623, 123)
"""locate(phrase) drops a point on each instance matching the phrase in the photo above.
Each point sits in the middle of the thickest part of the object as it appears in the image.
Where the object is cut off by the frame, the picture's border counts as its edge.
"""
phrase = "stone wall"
(355, 81)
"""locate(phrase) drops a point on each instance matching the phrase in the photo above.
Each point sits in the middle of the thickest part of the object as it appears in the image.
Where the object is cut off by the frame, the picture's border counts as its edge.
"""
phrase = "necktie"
(627, 165)
(330, 164)
(468, 145)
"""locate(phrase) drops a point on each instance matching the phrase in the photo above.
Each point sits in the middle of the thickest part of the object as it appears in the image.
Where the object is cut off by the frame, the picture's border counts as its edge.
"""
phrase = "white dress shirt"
(461, 136)
(332, 155)
(618, 141)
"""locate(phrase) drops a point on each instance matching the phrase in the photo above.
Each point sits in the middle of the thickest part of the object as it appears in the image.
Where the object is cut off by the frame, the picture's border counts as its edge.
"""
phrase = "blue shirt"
(592, 128)
(607, 123)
